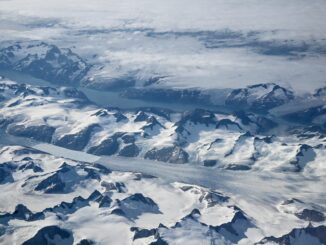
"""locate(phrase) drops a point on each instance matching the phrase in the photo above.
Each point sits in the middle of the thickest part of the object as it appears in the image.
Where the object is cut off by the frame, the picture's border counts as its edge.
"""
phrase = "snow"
(210, 45)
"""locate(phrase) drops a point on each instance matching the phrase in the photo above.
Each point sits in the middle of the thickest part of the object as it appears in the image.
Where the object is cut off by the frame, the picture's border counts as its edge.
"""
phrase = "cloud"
(207, 43)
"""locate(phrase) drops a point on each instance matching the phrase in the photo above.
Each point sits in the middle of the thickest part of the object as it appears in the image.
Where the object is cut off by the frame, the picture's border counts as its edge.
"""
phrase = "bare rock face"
(41, 132)
(172, 154)
(51, 235)
(77, 141)
(133, 206)
(310, 235)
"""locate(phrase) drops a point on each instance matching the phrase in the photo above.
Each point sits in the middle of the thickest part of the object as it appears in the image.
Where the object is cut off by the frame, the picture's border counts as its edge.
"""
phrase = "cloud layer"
(207, 43)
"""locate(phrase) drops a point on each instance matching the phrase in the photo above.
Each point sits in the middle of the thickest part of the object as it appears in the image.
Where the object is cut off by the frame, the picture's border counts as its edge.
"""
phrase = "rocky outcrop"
(66, 178)
(51, 235)
(135, 205)
(305, 154)
(77, 141)
(311, 215)
(130, 150)
(171, 154)
(107, 147)
(42, 133)
(310, 235)
(6, 173)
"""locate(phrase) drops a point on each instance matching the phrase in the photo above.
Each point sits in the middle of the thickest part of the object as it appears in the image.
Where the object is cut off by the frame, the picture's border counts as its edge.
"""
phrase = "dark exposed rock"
(244, 117)
(41, 133)
(128, 139)
(119, 116)
(234, 230)
(216, 141)
(213, 198)
(107, 147)
(71, 92)
(142, 233)
(21, 212)
(94, 196)
(310, 234)
(56, 183)
(199, 116)
(44, 61)
(151, 123)
(194, 215)
(159, 241)
(68, 207)
(119, 212)
(141, 117)
(66, 178)
(77, 141)
(135, 205)
(27, 151)
(130, 150)
(101, 113)
(172, 154)
(238, 167)
(162, 112)
(228, 124)
(4, 122)
(5, 174)
(30, 164)
(105, 202)
(101, 169)
(140, 176)
(210, 163)
(305, 154)
(306, 116)
(51, 235)
(311, 215)
(86, 242)
(114, 186)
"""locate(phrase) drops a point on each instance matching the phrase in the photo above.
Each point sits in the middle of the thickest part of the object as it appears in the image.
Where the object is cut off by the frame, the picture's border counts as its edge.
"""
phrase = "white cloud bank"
(137, 46)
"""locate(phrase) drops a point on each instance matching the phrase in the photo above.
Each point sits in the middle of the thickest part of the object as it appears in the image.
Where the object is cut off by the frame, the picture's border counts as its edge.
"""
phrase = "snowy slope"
(137, 208)
(239, 141)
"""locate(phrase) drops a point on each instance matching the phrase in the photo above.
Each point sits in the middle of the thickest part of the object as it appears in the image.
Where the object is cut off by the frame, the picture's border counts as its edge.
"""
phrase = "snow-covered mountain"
(56, 200)
(260, 97)
(236, 141)
(45, 61)
(51, 198)
(64, 67)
